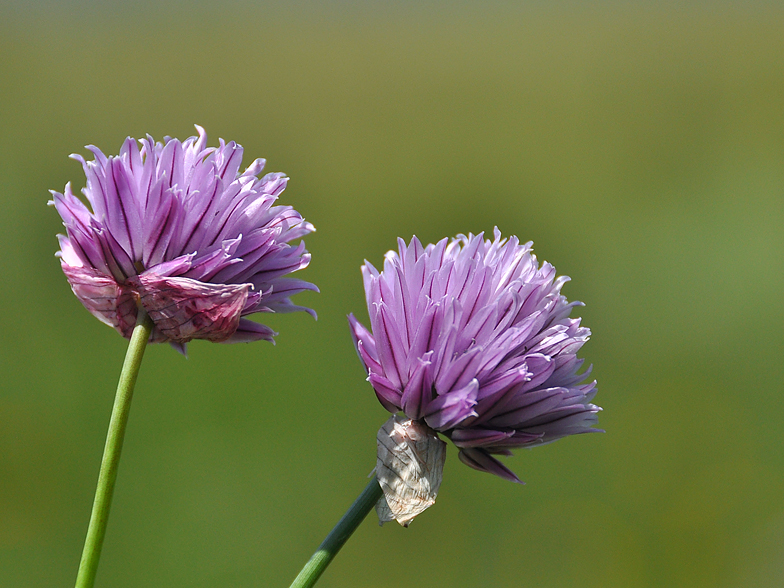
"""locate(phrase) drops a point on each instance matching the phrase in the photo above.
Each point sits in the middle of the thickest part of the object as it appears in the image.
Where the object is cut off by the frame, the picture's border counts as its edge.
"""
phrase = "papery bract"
(409, 467)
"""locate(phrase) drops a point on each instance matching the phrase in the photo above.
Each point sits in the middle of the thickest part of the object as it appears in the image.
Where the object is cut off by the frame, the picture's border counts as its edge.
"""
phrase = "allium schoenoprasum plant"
(174, 244)
(469, 339)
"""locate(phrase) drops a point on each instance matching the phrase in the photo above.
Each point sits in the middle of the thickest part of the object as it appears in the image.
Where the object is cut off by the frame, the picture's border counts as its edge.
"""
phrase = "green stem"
(338, 536)
(111, 452)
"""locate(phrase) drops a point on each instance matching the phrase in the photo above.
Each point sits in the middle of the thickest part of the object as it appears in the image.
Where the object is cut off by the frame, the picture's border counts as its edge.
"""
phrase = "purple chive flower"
(472, 337)
(177, 228)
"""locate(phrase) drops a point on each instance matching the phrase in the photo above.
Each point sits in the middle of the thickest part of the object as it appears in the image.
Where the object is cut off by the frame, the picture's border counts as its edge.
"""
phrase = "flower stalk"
(99, 517)
(346, 526)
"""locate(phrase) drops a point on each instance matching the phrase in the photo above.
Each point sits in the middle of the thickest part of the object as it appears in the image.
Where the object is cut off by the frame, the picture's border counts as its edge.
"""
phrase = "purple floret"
(176, 228)
(474, 338)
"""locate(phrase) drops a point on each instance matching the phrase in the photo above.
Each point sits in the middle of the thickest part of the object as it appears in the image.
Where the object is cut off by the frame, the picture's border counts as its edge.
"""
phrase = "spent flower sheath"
(177, 228)
(473, 338)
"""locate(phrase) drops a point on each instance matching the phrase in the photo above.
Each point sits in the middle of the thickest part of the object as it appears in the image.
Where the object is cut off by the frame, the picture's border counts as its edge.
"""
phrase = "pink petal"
(184, 309)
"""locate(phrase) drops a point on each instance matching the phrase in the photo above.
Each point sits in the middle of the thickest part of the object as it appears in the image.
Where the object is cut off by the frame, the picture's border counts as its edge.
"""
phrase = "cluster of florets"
(474, 338)
(176, 228)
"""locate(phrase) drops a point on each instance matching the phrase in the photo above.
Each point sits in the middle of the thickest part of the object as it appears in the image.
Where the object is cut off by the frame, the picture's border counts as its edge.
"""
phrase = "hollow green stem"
(111, 452)
(338, 536)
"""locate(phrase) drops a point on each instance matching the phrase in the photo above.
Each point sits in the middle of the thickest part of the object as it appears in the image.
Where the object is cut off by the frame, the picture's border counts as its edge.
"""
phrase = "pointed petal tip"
(484, 462)
(181, 348)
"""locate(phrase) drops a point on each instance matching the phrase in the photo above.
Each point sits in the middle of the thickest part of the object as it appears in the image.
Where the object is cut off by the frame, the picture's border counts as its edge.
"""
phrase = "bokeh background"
(640, 145)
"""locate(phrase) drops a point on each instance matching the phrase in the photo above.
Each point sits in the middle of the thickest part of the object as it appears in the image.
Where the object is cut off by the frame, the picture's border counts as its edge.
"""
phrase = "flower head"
(473, 337)
(176, 228)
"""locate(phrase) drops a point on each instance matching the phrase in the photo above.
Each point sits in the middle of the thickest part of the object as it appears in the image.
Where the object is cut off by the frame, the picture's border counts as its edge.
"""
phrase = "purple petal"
(389, 346)
(465, 438)
(387, 394)
(417, 393)
(448, 410)
(248, 331)
(365, 345)
(480, 460)
(519, 409)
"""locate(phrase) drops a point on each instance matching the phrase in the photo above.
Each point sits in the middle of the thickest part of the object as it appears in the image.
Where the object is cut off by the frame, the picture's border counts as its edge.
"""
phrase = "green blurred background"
(639, 145)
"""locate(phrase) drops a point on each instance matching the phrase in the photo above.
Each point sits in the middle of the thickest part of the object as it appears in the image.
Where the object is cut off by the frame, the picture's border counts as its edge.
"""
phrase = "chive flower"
(474, 339)
(176, 228)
